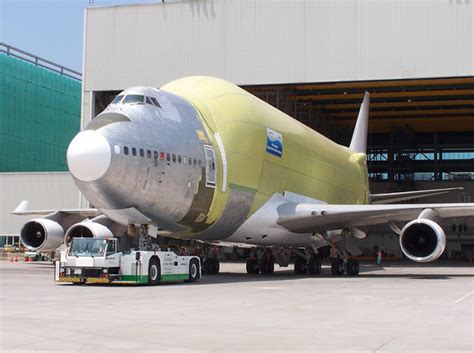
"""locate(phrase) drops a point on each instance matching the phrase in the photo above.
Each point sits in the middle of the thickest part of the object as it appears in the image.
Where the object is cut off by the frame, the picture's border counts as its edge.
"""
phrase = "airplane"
(202, 159)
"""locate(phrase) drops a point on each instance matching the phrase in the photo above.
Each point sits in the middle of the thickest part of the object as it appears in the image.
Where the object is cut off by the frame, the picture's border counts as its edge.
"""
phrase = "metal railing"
(21, 54)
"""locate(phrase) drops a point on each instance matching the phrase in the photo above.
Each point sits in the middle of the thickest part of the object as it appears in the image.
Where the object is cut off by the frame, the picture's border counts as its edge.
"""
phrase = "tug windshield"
(88, 247)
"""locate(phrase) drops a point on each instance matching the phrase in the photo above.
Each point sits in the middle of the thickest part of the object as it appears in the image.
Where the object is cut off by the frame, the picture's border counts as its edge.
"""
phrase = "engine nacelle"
(42, 234)
(422, 240)
(87, 229)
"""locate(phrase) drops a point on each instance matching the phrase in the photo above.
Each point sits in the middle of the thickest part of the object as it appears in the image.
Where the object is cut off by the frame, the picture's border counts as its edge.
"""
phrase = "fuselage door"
(211, 171)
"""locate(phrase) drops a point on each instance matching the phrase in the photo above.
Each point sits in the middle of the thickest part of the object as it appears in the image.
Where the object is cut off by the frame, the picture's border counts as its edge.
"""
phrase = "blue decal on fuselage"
(274, 143)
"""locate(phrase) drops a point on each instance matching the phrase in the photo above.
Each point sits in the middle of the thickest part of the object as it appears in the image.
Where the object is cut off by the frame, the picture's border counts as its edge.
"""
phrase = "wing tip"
(21, 208)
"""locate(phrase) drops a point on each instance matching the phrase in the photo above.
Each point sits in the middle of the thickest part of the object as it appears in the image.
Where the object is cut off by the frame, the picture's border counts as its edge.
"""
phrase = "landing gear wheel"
(337, 267)
(352, 267)
(314, 266)
(193, 271)
(301, 268)
(154, 272)
(268, 267)
(211, 266)
(252, 267)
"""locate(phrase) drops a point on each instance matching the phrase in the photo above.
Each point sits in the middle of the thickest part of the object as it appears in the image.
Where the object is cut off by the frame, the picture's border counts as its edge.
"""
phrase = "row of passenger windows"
(163, 156)
(136, 98)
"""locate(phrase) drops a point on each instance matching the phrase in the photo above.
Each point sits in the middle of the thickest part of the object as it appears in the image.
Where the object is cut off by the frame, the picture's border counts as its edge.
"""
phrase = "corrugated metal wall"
(278, 41)
(43, 190)
(39, 115)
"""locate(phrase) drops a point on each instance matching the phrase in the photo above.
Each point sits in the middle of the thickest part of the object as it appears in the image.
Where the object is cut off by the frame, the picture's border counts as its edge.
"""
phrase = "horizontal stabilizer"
(408, 195)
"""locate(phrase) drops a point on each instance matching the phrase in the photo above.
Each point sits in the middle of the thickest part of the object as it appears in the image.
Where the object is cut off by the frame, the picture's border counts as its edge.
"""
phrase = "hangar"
(314, 60)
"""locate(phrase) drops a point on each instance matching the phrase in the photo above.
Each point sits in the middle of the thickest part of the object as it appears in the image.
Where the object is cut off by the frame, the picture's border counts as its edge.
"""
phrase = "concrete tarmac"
(400, 308)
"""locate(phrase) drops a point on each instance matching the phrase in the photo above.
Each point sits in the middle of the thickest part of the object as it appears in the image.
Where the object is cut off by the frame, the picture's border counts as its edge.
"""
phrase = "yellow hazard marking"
(202, 136)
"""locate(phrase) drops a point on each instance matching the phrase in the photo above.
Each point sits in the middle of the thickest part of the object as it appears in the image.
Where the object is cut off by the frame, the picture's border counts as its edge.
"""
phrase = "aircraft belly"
(262, 229)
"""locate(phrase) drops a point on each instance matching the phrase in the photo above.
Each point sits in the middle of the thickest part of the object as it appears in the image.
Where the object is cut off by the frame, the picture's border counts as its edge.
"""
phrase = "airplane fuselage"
(206, 159)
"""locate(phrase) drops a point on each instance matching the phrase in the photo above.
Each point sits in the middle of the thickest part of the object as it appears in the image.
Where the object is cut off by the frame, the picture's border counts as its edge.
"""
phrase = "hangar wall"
(44, 191)
(263, 42)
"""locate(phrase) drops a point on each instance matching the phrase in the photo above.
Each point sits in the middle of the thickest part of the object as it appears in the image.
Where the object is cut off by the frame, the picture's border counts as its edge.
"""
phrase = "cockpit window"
(148, 101)
(134, 98)
(153, 99)
(117, 99)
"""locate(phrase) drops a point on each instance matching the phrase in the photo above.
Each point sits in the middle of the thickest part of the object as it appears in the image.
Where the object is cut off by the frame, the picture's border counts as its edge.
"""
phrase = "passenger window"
(179, 159)
(213, 166)
(125, 150)
(199, 163)
(168, 157)
(155, 154)
(153, 99)
(194, 162)
(174, 158)
(190, 161)
(134, 151)
(148, 153)
(185, 160)
(142, 152)
(162, 156)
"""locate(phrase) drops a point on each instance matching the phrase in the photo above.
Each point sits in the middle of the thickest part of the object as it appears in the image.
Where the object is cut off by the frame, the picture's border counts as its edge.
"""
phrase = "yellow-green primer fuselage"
(310, 164)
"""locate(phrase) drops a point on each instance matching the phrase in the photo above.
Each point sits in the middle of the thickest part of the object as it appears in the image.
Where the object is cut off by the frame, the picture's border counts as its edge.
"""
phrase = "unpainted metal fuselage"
(200, 166)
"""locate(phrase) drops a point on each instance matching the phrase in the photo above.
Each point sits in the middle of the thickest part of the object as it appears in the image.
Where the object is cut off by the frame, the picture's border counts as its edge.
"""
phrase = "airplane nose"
(89, 155)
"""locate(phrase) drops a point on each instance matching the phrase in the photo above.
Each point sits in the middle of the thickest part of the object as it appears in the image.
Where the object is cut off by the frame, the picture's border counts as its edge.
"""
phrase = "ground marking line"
(463, 297)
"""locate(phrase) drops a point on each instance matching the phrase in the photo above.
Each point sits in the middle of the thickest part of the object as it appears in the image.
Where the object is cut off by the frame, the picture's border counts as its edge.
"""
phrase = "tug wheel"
(193, 271)
(154, 271)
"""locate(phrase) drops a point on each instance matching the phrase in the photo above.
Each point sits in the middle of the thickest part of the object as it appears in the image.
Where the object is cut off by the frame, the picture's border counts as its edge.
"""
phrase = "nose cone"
(89, 155)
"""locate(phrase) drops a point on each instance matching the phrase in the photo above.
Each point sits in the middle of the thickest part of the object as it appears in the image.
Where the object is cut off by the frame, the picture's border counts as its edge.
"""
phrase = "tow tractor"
(98, 260)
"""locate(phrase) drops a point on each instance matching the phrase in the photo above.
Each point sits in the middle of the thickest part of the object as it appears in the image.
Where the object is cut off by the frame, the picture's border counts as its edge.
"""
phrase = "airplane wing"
(308, 217)
(22, 210)
(408, 195)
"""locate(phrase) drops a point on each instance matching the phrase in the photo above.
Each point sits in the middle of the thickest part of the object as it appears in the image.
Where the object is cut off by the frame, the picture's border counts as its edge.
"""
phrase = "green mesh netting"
(39, 115)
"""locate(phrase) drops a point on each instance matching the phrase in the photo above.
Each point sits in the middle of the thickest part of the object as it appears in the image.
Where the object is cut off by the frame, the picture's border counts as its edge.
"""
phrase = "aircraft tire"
(154, 271)
(214, 267)
(314, 266)
(352, 267)
(301, 267)
(268, 267)
(251, 266)
(193, 271)
(337, 267)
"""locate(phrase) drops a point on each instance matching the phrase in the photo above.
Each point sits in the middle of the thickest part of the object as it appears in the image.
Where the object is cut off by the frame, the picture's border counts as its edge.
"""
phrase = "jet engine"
(42, 233)
(422, 240)
(87, 229)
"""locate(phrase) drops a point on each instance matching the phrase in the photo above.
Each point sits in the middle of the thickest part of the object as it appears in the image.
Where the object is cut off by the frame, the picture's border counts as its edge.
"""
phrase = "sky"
(51, 29)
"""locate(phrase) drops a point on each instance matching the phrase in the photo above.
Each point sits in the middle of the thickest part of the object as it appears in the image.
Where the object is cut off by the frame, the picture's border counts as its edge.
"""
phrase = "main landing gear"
(210, 263)
(258, 263)
(340, 266)
(311, 266)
